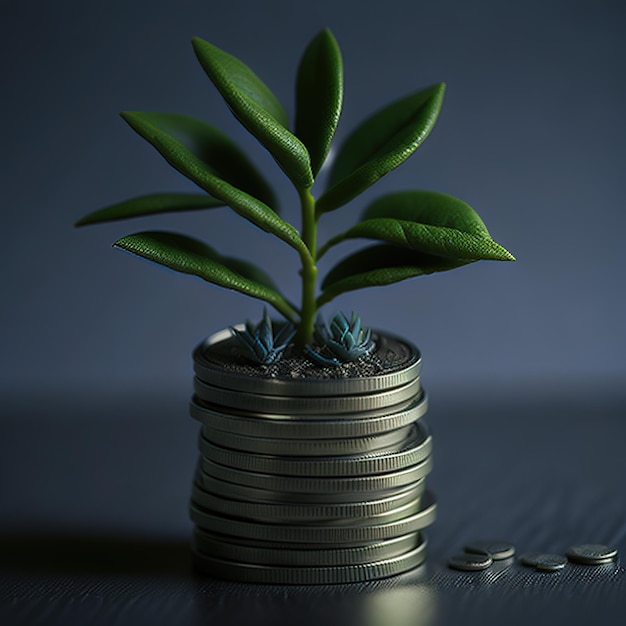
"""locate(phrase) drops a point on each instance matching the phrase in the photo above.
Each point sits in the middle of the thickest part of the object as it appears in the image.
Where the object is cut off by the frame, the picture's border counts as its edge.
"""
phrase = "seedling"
(417, 232)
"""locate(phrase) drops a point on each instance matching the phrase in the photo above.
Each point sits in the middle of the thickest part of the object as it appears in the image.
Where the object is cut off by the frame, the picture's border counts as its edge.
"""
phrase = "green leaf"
(151, 204)
(381, 265)
(257, 108)
(319, 94)
(217, 150)
(429, 207)
(380, 144)
(203, 175)
(428, 222)
(190, 256)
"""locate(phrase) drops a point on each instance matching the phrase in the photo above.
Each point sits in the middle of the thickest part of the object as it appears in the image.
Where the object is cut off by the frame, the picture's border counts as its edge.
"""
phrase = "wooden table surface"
(94, 527)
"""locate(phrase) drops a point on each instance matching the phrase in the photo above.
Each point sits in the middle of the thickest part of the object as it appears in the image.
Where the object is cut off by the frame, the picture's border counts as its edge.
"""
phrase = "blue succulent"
(262, 346)
(346, 340)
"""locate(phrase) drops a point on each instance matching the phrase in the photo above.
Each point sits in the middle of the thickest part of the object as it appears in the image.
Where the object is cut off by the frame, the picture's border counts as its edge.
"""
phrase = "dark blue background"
(531, 134)
(96, 447)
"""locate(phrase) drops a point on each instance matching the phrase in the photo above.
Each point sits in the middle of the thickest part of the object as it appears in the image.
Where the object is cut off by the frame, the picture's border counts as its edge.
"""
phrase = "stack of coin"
(310, 475)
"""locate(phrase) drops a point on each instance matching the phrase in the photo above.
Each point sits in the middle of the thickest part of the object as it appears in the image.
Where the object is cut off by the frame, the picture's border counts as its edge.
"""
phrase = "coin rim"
(247, 572)
(305, 447)
(303, 405)
(470, 567)
(496, 556)
(414, 449)
(529, 560)
(220, 547)
(331, 535)
(318, 484)
(271, 426)
(212, 484)
(587, 560)
(276, 512)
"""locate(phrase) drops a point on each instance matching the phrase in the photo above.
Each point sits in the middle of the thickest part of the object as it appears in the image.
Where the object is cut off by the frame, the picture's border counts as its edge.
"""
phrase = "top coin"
(544, 562)
(470, 562)
(497, 550)
(220, 361)
(592, 554)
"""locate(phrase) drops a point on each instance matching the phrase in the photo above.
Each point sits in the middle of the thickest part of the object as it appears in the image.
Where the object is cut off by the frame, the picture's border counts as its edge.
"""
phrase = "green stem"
(309, 270)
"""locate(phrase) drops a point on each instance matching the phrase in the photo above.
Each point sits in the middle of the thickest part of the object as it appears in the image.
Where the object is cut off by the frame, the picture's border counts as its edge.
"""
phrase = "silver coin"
(470, 562)
(214, 364)
(301, 545)
(314, 514)
(323, 484)
(544, 562)
(331, 535)
(497, 550)
(592, 554)
(283, 575)
(222, 548)
(281, 512)
(272, 426)
(254, 494)
(306, 447)
(318, 405)
(413, 450)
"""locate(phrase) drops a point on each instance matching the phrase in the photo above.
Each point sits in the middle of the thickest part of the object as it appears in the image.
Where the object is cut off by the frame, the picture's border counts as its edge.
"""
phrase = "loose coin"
(592, 554)
(413, 450)
(332, 535)
(544, 562)
(282, 575)
(497, 550)
(271, 425)
(317, 484)
(218, 362)
(224, 548)
(318, 405)
(470, 562)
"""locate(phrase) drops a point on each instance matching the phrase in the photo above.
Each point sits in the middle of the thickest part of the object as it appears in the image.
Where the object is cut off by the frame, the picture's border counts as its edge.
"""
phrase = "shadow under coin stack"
(310, 475)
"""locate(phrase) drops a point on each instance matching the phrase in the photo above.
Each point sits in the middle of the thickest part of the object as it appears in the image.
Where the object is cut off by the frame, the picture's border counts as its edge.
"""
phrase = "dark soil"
(390, 355)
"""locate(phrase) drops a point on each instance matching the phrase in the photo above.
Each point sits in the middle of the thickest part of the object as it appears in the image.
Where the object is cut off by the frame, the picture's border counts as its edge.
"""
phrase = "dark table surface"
(94, 528)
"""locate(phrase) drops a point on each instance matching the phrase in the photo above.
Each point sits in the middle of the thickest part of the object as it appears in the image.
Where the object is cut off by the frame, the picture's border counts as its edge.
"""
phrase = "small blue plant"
(263, 348)
(347, 341)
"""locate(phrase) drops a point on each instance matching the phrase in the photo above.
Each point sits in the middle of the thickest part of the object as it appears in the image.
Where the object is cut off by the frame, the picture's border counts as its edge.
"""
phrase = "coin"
(278, 512)
(306, 447)
(413, 450)
(224, 548)
(470, 562)
(317, 484)
(333, 535)
(284, 514)
(217, 362)
(254, 573)
(318, 405)
(497, 550)
(328, 516)
(243, 492)
(544, 562)
(269, 425)
(592, 554)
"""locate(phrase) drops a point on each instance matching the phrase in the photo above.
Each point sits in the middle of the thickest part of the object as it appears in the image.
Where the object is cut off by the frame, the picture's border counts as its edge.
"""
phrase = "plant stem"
(309, 270)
